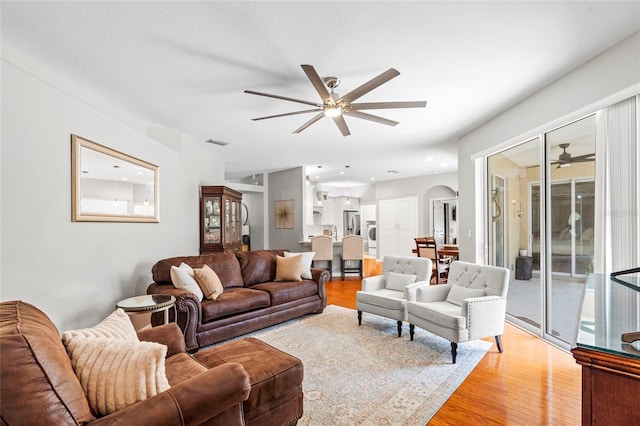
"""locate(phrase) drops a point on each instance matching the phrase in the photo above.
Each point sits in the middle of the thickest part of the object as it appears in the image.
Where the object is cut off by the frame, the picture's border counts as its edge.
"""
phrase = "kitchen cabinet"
(328, 214)
(220, 219)
(397, 226)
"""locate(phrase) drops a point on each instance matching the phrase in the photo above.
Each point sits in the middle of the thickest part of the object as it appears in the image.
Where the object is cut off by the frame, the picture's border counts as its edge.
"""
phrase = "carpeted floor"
(367, 375)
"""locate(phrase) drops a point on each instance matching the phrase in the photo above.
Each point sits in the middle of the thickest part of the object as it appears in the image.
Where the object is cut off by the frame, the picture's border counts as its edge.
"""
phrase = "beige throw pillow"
(288, 268)
(182, 277)
(209, 282)
(116, 373)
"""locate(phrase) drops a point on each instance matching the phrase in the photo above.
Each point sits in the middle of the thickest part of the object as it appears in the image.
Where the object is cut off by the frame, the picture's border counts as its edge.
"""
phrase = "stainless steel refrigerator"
(351, 223)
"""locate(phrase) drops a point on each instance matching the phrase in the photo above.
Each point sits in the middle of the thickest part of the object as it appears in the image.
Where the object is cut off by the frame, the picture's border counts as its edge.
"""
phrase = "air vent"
(221, 143)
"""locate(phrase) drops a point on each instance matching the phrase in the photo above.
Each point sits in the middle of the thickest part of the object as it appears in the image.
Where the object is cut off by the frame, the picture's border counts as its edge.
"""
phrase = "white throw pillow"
(457, 294)
(397, 281)
(305, 266)
(116, 326)
(116, 373)
(182, 277)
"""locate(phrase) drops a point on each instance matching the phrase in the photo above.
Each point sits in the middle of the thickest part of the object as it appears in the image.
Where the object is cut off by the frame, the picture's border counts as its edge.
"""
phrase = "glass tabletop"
(147, 302)
(610, 308)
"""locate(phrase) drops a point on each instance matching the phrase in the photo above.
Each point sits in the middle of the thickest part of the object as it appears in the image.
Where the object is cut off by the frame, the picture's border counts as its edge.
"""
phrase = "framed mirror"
(109, 186)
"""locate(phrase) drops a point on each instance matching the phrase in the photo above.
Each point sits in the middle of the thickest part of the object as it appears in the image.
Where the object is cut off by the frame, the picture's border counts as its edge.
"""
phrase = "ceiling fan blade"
(318, 84)
(342, 125)
(284, 98)
(371, 117)
(369, 86)
(387, 105)
(306, 111)
(583, 158)
(309, 123)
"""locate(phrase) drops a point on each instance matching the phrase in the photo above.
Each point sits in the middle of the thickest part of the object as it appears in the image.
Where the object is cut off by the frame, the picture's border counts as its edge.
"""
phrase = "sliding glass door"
(514, 227)
(540, 210)
(570, 207)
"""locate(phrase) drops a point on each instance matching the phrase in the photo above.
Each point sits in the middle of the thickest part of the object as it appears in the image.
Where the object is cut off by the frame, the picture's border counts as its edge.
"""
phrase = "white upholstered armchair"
(471, 306)
(387, 294)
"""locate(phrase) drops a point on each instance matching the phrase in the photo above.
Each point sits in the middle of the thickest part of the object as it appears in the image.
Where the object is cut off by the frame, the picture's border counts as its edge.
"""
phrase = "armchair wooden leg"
(411, 330)
(454, 351)
(359, 317)
(499, 343)
(399, 328)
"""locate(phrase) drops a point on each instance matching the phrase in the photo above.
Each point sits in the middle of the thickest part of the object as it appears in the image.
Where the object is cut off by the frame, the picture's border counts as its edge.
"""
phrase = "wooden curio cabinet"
(220, 223)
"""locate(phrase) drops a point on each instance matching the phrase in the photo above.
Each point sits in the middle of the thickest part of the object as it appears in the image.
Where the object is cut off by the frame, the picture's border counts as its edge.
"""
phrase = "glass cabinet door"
(212, 220)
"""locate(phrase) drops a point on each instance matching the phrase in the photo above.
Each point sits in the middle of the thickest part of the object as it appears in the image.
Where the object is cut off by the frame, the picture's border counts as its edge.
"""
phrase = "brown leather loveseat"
(39, 386)
(251, 299)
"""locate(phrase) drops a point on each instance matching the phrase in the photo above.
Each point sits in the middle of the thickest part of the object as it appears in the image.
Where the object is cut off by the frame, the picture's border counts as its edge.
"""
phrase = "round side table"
(148, 304)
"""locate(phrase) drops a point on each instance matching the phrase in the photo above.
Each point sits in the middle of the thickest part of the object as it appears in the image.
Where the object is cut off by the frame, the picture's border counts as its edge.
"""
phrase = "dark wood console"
(610, 366)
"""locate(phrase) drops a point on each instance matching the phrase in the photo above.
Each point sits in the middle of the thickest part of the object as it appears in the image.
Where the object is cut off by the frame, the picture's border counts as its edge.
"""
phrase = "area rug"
(366, 375)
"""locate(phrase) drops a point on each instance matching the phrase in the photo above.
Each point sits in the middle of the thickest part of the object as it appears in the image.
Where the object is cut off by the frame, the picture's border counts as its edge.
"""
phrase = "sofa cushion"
(34, 362)
(209, 282)
(442, 313)
(258, 266)
(224, 264)
(116, 373)
(288, 268)
(234, 301)
(288, 291)
(181, 367)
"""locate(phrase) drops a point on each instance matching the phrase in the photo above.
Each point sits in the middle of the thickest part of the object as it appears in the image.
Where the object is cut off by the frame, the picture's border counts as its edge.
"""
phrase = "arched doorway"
(440, 204)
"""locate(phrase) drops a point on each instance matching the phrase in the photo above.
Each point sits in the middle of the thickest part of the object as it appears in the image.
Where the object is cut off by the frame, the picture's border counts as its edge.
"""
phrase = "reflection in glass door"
(497, 229)
(570, 218)
(513, 226)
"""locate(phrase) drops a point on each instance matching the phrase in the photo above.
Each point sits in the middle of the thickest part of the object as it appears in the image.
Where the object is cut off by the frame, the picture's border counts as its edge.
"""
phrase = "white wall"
(416, 186)
(76, 271)
(605, 79)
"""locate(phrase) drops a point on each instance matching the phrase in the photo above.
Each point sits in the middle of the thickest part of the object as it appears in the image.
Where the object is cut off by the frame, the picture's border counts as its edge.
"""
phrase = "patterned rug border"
(428, 355)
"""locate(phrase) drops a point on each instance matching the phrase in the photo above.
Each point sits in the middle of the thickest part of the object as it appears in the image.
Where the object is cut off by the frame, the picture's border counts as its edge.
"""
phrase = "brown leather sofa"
(39, 386)
(251, 299)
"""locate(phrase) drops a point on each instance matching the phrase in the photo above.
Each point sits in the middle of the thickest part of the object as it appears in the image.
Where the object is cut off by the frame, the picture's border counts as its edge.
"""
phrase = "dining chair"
(352, 251)
(322, 245)
(427, 247)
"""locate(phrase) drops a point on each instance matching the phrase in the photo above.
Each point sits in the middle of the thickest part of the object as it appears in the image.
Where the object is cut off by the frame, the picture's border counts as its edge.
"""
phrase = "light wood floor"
(530, 383)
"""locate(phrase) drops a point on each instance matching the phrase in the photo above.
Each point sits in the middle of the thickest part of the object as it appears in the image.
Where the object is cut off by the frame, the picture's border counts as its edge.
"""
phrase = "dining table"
(449, 250)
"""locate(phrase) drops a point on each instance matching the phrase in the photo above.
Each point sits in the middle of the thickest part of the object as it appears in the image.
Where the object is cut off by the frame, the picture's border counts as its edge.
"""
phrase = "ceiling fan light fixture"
(333, 110)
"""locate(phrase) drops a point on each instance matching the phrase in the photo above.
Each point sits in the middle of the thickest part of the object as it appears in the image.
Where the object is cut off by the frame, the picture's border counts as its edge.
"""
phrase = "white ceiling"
(185, 65)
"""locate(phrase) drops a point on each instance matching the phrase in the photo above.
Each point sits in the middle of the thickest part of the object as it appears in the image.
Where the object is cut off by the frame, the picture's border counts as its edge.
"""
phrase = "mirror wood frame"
(78, 144)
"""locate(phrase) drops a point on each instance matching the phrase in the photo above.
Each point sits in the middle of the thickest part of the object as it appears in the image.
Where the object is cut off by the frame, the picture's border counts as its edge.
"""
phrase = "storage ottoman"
(276, 379)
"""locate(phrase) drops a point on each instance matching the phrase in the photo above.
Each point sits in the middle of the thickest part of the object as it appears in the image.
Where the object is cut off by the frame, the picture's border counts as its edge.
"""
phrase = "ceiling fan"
(336, 106)
(565, 159)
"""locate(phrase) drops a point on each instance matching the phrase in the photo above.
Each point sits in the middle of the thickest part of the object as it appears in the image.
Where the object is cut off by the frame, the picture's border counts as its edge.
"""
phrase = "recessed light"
(317, 176)
(392, 171)
(443, 164)
(125, 178)
(372, 178)
(428, 159)
(341, 173)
